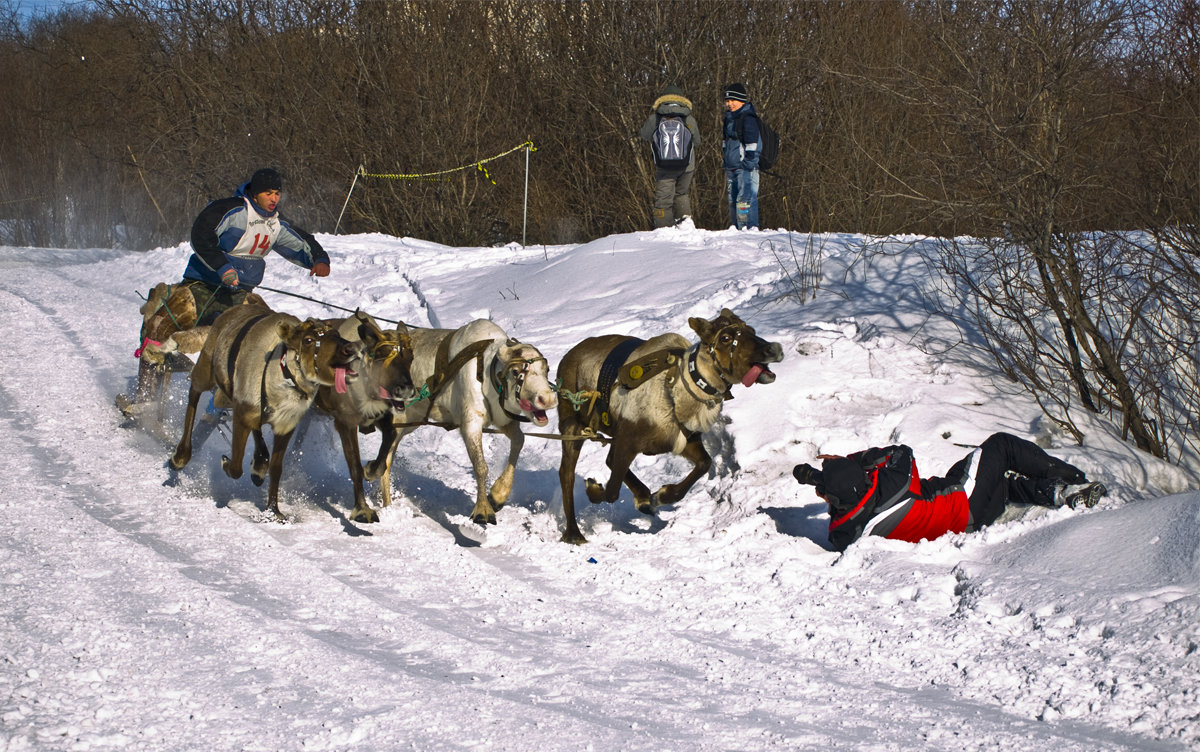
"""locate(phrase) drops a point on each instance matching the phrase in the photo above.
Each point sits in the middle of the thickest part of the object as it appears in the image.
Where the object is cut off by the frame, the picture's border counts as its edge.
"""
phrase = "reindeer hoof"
(595, 491)
(647, 506)
(257, 479)
(366, 514)
(483, 518)
(665, 496)
(373, 471)
(229, 469)
(178, 462)
(574, 537)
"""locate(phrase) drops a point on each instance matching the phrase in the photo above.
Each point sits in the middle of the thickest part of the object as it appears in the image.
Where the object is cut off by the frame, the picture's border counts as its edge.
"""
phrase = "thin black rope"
(322, 302)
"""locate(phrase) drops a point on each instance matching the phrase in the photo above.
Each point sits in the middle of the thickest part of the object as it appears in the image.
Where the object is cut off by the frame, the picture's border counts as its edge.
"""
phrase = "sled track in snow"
(438, 644)
(301, 598)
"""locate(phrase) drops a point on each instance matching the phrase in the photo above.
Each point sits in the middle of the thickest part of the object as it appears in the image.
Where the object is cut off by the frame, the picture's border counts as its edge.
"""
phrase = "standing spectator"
(674, 155)
(741, 148)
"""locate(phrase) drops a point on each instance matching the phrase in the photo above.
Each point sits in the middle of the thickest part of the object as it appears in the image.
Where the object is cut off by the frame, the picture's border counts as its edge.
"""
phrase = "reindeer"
(475, 376)
(267, 366)
(652, 397)
(169, 318)
(187, 341)
(167, 310)
(382, 390)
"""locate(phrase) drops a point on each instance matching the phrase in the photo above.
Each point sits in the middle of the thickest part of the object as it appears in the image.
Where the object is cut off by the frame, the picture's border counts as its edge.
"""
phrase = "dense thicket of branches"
(126, 116)
(1048, 126)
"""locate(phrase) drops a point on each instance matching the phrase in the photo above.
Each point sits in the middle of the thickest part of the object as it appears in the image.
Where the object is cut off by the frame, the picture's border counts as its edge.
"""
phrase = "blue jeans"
(741, 187)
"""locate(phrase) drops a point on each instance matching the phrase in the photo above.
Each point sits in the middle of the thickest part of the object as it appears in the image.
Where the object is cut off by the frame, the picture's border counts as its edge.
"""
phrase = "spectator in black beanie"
(741, 150)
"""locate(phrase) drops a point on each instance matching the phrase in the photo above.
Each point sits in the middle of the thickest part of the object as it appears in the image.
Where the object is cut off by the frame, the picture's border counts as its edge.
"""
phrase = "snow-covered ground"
(144, 616)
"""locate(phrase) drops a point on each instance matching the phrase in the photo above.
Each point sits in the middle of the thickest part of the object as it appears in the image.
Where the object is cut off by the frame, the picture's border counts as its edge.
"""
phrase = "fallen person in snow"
(878, 491)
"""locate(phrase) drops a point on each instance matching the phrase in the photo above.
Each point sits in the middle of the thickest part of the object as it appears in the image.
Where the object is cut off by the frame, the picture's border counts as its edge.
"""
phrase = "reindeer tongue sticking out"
(339, 380)
(758, 374)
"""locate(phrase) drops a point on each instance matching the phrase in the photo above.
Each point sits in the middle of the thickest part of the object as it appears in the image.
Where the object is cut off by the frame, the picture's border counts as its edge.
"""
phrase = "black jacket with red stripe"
(878, 492)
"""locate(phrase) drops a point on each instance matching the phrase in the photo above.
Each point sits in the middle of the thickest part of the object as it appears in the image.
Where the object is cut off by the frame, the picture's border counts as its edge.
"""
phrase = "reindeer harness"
(445, 367)
(633, 375)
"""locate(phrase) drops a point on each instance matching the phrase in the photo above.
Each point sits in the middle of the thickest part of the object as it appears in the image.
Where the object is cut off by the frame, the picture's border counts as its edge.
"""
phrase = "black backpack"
(768, 143)
(672, 143)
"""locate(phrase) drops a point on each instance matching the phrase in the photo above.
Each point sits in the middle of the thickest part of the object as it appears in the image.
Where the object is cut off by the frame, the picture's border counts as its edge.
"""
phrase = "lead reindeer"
(476, 377)
(652, 397)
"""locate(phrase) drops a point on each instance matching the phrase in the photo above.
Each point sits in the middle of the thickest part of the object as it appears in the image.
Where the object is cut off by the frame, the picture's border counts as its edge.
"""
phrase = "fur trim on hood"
(673, 99)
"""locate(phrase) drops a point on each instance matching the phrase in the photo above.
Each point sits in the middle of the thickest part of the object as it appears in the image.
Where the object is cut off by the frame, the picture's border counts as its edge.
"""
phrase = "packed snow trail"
(135, 615)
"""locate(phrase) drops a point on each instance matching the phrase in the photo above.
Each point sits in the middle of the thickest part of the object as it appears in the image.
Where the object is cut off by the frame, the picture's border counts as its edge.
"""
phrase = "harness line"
(327, 305)
(587, 435)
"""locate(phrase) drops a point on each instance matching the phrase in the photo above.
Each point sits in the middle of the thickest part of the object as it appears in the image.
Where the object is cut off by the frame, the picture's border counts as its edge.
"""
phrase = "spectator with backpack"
(742, 152)
(878, 491)
(673, 136)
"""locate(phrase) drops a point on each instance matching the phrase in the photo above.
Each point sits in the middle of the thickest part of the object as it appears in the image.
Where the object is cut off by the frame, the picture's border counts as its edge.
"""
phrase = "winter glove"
(229, 277)
(319, 270)
(806, 475)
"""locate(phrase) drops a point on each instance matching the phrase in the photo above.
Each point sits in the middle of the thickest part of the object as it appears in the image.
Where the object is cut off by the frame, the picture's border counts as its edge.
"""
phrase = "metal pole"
(525, 212)
(361, 171)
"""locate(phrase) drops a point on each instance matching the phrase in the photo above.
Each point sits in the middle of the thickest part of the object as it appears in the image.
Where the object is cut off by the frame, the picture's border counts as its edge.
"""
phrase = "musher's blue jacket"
(222, 224)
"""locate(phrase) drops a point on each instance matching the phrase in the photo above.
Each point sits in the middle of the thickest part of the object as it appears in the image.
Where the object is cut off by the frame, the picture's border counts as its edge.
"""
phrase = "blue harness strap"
(608, 374)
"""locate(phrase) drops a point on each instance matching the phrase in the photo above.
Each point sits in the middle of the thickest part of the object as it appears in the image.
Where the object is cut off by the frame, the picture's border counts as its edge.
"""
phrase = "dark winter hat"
(265, 179)
(672, 90)
(737, 92)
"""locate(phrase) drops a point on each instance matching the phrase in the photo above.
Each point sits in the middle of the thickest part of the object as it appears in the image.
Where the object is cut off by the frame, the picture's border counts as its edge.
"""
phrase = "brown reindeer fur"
(666, 413)
(383, 388)
(168, 308)
(242, 363)
(189, 340)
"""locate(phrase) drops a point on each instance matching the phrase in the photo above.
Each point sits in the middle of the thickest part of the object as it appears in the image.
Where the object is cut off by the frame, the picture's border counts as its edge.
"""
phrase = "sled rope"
(327, 304)
(587, 434)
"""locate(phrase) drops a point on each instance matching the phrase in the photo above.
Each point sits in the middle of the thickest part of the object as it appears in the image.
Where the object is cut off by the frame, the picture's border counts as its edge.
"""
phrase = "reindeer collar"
(287, 374)
(697, 378)
(289, 379)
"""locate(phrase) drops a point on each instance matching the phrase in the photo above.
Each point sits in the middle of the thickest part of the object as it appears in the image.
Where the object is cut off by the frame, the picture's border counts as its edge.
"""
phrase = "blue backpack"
(672, 143)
